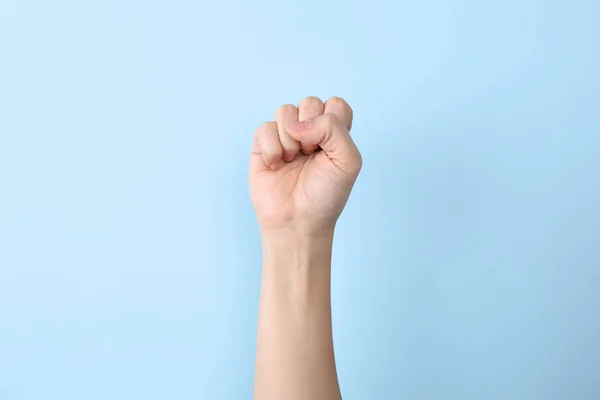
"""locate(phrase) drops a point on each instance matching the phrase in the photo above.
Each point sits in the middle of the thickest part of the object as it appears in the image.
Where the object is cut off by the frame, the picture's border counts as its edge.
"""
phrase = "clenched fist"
(303, 166)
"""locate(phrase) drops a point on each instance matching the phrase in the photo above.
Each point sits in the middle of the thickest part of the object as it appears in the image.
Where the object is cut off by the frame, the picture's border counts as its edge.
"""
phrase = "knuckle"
(285, 109)
(339, 103)
(311, 102)
(270, 126)
(264, 127)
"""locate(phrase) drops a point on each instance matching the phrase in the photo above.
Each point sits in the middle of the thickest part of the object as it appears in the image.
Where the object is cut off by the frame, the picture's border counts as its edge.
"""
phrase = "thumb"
(329, 133)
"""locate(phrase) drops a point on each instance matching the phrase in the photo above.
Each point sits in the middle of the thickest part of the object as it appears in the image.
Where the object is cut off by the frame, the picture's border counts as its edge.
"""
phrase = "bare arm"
(295, 349)
(301, 174)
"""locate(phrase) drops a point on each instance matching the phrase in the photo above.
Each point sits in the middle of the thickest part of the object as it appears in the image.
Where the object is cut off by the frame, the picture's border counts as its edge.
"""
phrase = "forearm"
(295, 357)
(303, 166)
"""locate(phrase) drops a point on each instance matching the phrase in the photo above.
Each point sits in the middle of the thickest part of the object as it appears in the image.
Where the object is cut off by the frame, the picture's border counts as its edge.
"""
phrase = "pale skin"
(303, 166)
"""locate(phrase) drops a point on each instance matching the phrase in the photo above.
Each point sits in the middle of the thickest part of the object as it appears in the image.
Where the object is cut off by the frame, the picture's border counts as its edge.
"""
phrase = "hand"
(303, 166)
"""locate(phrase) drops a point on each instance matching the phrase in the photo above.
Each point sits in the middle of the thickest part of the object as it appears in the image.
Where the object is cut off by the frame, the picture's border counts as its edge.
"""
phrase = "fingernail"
(298, 126)
(274, 167)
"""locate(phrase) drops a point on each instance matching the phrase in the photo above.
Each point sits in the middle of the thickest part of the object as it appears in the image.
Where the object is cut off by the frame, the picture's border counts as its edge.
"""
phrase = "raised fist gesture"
(303, 166)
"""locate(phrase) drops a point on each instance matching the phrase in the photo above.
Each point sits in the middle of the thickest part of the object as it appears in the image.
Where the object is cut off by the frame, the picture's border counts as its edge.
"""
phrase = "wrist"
(291, 249)
(287, 240)
(296, 265)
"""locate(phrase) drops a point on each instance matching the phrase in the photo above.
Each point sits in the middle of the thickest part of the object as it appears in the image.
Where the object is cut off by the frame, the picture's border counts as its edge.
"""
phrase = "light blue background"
(467, 263)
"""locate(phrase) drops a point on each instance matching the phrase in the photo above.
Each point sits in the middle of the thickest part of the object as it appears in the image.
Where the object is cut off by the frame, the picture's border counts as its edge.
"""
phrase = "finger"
(341, 109)
(309, 108)
(329, 132)
(285, 115)
(267, 144)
